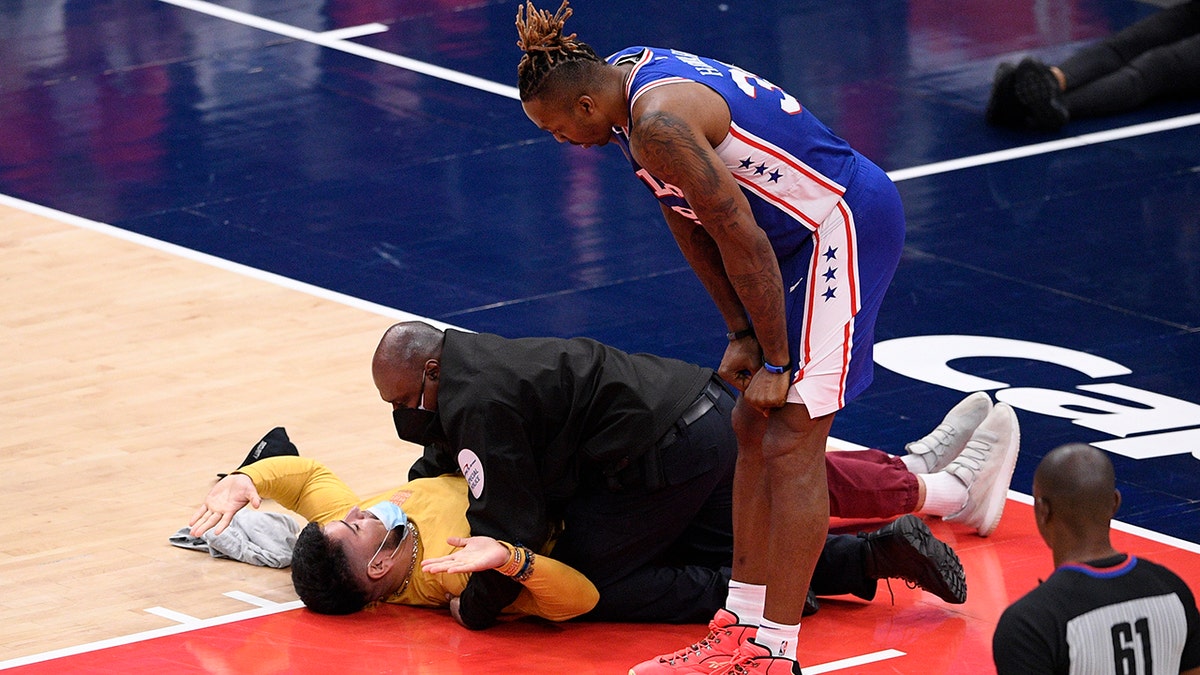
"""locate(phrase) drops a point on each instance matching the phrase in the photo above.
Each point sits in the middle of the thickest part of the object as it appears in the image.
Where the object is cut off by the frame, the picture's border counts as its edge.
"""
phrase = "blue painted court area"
(301, 153)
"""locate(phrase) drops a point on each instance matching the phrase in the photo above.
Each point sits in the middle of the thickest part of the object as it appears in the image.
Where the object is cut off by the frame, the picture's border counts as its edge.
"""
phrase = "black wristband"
(739, 334)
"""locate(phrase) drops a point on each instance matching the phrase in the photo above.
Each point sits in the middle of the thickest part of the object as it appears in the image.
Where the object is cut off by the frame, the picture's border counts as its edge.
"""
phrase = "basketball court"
(211, 211)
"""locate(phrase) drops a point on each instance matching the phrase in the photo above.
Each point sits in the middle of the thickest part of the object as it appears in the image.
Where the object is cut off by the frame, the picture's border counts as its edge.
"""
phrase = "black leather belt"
(646, 472)
(703, 403)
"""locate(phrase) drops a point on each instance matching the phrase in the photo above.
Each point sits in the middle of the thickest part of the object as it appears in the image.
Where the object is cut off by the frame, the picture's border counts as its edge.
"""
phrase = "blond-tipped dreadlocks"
(540, 36)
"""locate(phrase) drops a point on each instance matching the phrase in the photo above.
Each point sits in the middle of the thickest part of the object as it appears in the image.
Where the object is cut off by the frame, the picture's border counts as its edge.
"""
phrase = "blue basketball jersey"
(833, 218)
(793, 169)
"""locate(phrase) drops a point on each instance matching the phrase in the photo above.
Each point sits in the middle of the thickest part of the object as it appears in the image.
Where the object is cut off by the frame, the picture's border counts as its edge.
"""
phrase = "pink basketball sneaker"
(725, 635)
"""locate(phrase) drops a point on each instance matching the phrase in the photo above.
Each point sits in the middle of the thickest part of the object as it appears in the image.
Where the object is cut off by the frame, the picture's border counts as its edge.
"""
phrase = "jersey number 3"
(787, 102)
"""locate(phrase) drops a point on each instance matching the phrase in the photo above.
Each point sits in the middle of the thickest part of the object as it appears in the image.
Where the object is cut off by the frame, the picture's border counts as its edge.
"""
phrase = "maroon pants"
(869, 484)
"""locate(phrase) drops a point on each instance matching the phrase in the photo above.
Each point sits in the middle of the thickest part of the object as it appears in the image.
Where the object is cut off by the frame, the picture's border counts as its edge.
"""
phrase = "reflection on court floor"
(371, 154)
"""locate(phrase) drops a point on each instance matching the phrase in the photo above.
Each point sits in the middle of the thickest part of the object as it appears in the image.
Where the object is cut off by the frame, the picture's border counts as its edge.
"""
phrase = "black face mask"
(422, 427)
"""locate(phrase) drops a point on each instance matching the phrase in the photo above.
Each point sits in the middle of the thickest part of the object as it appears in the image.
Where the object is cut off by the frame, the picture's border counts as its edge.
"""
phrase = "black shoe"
(811, 605)
(1037, 90)
(275, 444)
(1003, 108)
(906, 549)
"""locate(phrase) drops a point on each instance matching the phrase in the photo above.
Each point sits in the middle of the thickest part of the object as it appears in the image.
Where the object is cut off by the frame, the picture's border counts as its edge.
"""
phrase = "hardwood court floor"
(131, 376)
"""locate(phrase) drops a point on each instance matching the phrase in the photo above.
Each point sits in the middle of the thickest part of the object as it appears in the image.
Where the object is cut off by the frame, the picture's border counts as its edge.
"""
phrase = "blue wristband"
(770, 368)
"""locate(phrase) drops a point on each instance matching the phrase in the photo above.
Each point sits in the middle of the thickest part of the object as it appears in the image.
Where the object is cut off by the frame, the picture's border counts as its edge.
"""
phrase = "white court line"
(324, 40)
(236, 595)
(842, 664)
(251, 599)
(354, 31)
(1044, 148)
(172, 615)
(148, 635)
(214, 261)
(1126, 527)
(332, 39)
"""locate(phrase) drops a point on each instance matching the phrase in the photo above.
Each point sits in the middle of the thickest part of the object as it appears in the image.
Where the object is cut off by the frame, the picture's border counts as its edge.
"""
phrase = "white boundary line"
(333, 40)
(213, 261)
(172, 615)
(1044, 148)
(252, 599)
(851, 662)
(1142, 532)
(196, 624)
(354, 31)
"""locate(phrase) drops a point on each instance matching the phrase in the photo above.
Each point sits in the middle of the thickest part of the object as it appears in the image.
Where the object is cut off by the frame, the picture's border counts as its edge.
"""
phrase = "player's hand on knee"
(767, 390)
(742, 358)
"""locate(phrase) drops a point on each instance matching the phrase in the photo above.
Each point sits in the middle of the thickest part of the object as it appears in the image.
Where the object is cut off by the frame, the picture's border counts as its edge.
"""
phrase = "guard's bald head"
(1077, 480)
(407, 344)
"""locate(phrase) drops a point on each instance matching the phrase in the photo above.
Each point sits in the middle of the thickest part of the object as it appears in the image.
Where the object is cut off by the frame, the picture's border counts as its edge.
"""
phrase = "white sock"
(778, 638)
(944, 494)
(915, 463)
(746, 601)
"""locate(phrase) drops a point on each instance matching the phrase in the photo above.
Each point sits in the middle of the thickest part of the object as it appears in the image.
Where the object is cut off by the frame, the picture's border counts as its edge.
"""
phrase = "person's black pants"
(666, 556)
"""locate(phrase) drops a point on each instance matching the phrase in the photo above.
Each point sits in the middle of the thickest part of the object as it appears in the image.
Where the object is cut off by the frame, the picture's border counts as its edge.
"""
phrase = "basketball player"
(794, 234)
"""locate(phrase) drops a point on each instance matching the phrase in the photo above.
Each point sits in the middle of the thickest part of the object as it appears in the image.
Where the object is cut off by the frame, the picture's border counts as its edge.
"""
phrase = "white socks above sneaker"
(778, 638)
(945, 494)
(746, 601)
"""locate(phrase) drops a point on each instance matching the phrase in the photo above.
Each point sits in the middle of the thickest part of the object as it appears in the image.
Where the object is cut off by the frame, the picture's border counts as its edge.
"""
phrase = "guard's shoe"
(752, 658)
(275, 444)
(985, 466)
(1037, 90)
(1003, 109)
(716, 650)
(811, 604)
(939, 447)
(906, 549)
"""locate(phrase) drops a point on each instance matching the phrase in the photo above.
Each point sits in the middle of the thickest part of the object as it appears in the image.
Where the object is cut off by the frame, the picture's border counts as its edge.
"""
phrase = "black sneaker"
(275, 444)
(906, 549)
(1037, 90)
(811, 604)
(1003, 108)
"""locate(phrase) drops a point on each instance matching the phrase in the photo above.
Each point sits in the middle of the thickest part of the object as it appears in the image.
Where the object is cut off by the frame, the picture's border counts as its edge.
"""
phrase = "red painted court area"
(914, 633)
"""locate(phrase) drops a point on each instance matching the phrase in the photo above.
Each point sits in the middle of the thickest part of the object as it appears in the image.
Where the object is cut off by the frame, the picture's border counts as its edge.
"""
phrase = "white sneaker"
(986, 466)
(939, 447)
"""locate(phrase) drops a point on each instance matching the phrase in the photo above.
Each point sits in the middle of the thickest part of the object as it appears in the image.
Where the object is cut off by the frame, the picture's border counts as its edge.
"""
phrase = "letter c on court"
(927, 358)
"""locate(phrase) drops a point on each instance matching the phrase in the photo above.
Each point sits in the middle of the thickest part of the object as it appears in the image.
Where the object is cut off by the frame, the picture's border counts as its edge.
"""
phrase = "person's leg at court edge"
(780, 512)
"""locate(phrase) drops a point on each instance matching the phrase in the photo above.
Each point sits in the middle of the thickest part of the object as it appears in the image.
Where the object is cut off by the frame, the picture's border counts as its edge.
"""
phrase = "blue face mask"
(389, 514)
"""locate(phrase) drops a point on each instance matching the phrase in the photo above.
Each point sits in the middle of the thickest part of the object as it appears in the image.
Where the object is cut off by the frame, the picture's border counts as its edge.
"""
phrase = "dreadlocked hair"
(540, 36)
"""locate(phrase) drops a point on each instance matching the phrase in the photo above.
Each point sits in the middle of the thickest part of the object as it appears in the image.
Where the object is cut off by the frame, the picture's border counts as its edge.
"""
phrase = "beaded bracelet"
(519, 565)
(515, 562)
(526, 569)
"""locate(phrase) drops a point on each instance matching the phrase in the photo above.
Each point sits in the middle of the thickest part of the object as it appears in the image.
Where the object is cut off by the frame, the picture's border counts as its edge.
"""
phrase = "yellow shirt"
(438, 507)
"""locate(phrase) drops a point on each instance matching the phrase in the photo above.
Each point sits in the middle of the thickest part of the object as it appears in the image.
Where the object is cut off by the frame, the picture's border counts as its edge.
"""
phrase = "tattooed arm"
(672, 135)
(742, 357)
